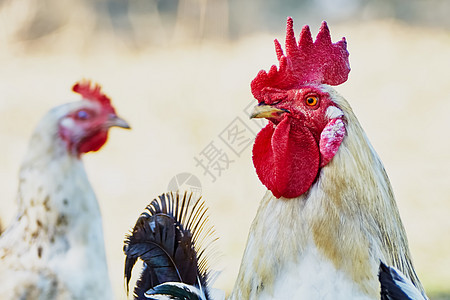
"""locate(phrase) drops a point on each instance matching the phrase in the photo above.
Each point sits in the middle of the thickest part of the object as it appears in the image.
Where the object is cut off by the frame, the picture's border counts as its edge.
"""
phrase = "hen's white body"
(54, 249)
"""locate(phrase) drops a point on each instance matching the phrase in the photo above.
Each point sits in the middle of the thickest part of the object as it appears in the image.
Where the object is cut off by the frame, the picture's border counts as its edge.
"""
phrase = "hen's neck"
(55, 198)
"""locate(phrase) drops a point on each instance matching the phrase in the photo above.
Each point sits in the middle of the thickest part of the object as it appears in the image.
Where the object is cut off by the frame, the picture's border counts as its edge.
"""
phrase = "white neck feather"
(53, 182)
(349, 214)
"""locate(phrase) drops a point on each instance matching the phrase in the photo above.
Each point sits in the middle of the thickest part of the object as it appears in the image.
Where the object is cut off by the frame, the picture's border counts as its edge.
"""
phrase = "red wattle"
(286, 161)
(93, 142)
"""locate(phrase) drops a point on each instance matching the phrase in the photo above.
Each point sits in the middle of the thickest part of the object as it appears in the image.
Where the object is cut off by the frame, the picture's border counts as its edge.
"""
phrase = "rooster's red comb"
(92, 93)
(316, 62)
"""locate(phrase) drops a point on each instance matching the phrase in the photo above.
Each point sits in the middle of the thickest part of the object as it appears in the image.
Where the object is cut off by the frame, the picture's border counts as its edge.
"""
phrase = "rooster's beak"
(118, 122)
(266, 111)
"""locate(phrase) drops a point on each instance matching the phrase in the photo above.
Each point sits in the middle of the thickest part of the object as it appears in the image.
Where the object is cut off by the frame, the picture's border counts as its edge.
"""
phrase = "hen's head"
(306, 126)
(85, 126)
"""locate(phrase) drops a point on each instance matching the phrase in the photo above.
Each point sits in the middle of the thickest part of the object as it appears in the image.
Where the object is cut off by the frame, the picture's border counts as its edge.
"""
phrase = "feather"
(395, 286)
(172, 238)
(175, 290)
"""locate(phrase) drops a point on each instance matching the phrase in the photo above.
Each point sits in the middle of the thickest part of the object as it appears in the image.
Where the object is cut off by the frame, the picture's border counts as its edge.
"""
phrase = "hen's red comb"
(316, 62)
(92, 93)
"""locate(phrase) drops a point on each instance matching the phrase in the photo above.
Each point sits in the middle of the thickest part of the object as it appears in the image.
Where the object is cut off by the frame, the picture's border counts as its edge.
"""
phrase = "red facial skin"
(89, 131)
(286, 152)
(86, 129)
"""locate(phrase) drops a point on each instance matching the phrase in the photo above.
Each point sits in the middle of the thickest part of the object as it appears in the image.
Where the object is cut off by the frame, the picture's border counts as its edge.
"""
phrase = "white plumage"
(330, 238)
(54, 249)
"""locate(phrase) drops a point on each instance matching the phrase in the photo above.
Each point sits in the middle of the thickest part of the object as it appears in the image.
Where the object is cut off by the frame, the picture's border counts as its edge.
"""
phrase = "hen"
(329, 215)
(54, 248)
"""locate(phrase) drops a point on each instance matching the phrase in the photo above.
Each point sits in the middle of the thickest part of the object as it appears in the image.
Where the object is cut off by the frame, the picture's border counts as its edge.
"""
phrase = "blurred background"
(179, 72)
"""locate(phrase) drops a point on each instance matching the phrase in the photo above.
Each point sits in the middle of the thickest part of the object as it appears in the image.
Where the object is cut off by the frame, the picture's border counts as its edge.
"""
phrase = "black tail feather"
(174, 290)
(170, 238)
(395, 286)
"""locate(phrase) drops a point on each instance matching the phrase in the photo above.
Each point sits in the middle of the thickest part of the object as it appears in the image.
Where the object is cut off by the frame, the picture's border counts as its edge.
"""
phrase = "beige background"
(181, 94)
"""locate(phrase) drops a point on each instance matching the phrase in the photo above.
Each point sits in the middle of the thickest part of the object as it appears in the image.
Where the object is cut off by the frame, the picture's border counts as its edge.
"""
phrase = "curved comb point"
(91, 92)
(309, 61)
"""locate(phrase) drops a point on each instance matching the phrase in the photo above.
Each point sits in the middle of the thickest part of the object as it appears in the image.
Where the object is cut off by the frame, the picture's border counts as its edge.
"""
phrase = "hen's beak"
(266, 111)
(115, 121)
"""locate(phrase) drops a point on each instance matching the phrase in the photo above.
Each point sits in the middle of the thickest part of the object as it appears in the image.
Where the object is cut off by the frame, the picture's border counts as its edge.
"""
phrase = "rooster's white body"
(308, 277)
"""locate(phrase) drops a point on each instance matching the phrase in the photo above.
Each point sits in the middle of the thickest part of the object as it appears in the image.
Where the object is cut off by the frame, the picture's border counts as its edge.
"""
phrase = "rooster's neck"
(348, 217)
(294, 240)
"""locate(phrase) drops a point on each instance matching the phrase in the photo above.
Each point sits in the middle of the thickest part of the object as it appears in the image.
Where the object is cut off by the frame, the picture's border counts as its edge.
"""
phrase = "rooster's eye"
(311, 100)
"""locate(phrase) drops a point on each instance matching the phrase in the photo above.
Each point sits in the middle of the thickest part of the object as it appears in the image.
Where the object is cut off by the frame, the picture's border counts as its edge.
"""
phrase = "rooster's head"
(306, 126)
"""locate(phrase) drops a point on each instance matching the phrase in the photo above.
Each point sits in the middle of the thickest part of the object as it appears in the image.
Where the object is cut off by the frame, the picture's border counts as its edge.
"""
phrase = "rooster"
(173, 239)
(54, 248)
(329, 215)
